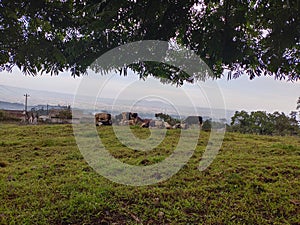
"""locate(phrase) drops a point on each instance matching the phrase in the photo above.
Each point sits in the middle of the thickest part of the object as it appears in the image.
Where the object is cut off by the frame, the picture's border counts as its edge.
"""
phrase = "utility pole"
(26, 96)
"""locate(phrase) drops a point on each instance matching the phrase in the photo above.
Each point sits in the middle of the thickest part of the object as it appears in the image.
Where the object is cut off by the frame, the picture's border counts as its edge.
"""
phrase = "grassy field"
(45, 180)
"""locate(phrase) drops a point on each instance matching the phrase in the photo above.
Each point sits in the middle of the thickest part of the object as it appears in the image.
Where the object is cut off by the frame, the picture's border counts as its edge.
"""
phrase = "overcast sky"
(262, 93)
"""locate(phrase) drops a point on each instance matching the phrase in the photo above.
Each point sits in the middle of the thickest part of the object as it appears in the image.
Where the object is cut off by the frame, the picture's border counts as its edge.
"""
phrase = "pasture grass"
(45, 180)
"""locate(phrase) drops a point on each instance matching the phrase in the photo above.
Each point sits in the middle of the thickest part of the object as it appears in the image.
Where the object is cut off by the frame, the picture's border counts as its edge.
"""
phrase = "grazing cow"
(193, 120)
(103, 119)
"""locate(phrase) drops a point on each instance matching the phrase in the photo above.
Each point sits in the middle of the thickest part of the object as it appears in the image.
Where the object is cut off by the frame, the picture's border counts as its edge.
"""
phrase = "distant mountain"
(11, 106)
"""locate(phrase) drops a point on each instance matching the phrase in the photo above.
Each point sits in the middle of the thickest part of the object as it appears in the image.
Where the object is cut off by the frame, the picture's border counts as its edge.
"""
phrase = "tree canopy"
(240, 36)
(260, 122)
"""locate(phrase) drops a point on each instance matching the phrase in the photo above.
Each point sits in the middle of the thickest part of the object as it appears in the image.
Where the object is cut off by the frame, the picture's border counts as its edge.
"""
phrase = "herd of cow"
(129, 118)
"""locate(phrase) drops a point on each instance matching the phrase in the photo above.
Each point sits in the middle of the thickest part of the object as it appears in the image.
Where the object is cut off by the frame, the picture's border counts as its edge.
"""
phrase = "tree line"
(260, 122)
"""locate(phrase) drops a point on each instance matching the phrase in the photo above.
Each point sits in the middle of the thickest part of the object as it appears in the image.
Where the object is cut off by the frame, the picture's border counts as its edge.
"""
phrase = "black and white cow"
(193, 120)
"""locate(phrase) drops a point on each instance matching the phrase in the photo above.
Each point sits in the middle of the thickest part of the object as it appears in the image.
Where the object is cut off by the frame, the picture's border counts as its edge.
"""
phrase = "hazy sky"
(262, 93)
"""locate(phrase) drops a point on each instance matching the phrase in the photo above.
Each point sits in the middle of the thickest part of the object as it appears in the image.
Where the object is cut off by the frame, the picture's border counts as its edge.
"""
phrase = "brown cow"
(103, 119)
